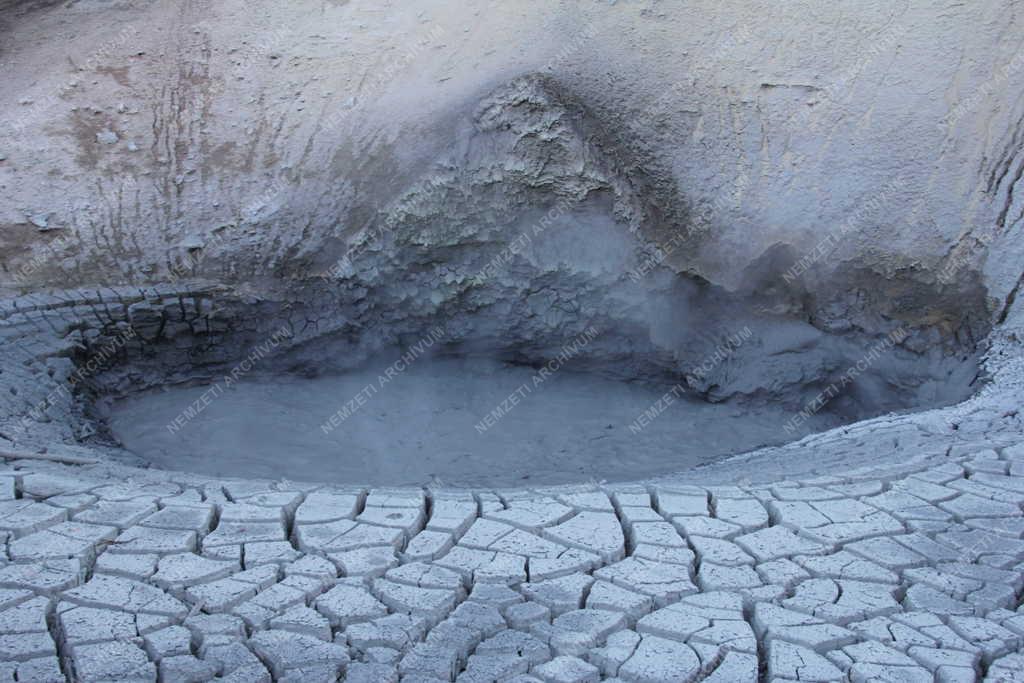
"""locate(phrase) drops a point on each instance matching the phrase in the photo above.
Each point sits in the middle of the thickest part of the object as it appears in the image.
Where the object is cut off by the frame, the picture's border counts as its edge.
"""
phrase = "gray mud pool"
(453, 422)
